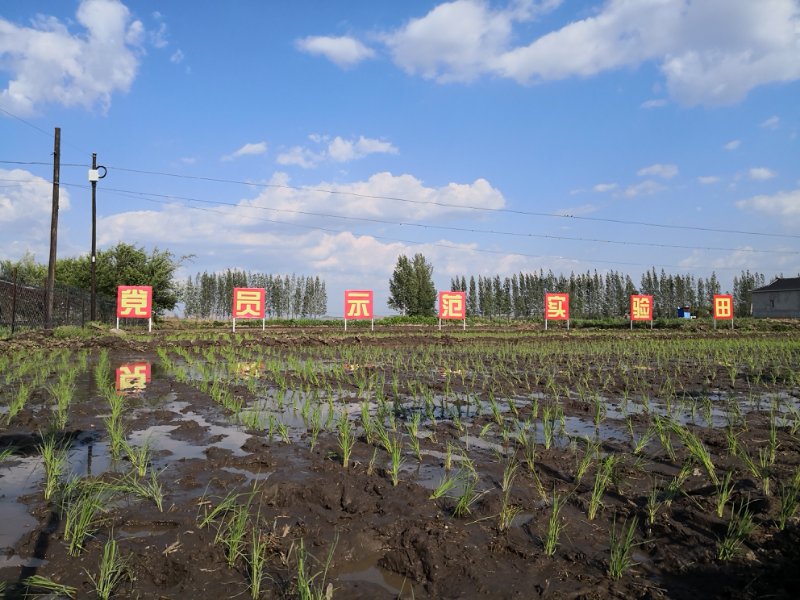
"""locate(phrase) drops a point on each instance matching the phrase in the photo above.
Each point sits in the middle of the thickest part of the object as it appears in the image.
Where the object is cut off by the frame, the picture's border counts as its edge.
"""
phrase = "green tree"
(125, 264)
(411, 289)
(29, 272)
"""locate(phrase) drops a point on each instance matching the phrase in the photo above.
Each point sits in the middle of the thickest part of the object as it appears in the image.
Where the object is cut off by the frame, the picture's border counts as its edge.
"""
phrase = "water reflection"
(133, 377)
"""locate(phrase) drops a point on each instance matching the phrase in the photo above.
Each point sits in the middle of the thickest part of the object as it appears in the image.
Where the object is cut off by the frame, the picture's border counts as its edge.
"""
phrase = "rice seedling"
(225, 505)
(739, 528)
(395, 450)
(231, 532)
(602, 478)
(548, 426)
(113, 569)
(283, 432)
(80, 511)
(588, 456)
(38, 585)
(346, 438)
(663, 431)
(697, 450)
(446, 484)
(773, 438)
(312, 586)
(467, 498)
(18, 402)
(509, 473)
(149, 489)
(507, 513)
(724, 492)
(139, 456)
(555, 524)
(652, 504)
(675, 486)
(7, 453)
(257, 561)
(54, 456)
(621, 548)
(789, 497)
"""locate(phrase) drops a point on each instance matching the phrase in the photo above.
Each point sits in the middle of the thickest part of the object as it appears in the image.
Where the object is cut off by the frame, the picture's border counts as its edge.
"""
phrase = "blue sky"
(680, 113)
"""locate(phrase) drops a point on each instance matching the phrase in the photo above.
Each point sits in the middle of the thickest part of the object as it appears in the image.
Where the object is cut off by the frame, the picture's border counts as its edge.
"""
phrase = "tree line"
(210, 295)
(122, 264)
(593, 295)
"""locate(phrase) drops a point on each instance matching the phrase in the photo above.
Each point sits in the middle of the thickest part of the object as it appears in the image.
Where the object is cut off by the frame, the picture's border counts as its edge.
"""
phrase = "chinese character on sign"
(723, 307)
(358, 304)
(452, 305)
(556, 307)
(133, 377)
(641, 308)
(248, 303)
(134, 301)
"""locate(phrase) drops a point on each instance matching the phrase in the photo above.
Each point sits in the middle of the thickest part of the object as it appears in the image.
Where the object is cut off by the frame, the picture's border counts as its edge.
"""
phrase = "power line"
(445, 204)
(442, 227)
(459, 206)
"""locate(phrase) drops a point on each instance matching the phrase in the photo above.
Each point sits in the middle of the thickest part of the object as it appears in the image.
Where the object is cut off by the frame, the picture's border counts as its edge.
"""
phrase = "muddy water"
(393, 541)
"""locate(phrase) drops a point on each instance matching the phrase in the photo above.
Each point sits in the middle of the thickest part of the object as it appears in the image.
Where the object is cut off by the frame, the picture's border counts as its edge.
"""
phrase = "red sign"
(133, 377)
(453, 305)
(134, 301)
(556, 307)
(723, 307)
(248, 303)
(358, 304)
(641, 308)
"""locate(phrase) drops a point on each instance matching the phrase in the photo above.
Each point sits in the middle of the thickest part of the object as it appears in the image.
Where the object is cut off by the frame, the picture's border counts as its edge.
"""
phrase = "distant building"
(781, 298)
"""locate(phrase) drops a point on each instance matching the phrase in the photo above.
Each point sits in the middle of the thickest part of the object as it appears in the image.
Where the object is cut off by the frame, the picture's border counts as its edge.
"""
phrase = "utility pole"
(51, 267)
(94, 176)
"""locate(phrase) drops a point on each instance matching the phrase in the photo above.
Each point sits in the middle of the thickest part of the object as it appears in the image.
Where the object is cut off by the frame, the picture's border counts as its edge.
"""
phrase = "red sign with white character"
(358, 304)
(641, 308)
(723, 307)
(556, 307)
(248, 303)
(452, 305)
(134, 302)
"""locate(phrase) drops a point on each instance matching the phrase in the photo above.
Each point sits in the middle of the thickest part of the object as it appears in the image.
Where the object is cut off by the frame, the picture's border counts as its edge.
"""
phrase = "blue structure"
(684, 312)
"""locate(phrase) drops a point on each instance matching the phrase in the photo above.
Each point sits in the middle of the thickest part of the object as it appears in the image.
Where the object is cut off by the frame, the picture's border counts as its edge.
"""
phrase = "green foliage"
(29, 272)
(125, 264)
(411, 289)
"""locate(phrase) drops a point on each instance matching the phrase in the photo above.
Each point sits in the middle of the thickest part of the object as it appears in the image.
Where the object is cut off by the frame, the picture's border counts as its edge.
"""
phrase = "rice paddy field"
(404, 463)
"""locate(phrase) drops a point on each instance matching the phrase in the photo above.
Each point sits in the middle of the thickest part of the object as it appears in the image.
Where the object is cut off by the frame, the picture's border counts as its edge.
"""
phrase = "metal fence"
(24, 306)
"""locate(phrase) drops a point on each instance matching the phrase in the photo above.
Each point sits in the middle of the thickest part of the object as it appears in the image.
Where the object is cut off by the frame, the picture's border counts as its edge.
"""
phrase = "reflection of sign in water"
(723, 307)
(248, 369)
(133, 377)
(452, 305)
(134, 301)
(556, 307)
(641, 308)
(248, 303)
(358, 304)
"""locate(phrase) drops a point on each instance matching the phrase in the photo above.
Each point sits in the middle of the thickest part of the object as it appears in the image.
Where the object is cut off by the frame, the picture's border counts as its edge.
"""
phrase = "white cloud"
(299, 156)
(645, 188)
(708, 179)
(177, 57)
(659, 170)
(25, 211)
(343, 51)
(785, 205)
(732, 145)
(771, 123)
(712, 52)
(605, 187)
(49, 65)
(656, 103)
(761, 173)
(250, 149)
(338, 150)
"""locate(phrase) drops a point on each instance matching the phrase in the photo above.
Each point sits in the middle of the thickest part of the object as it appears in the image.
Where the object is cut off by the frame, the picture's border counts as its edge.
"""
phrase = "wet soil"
(474, 394)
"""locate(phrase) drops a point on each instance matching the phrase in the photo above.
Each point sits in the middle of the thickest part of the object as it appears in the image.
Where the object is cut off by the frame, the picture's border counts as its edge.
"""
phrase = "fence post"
(14, 302)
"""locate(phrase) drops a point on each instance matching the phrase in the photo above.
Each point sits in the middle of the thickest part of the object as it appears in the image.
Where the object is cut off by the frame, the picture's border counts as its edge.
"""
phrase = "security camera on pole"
(94, 176)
